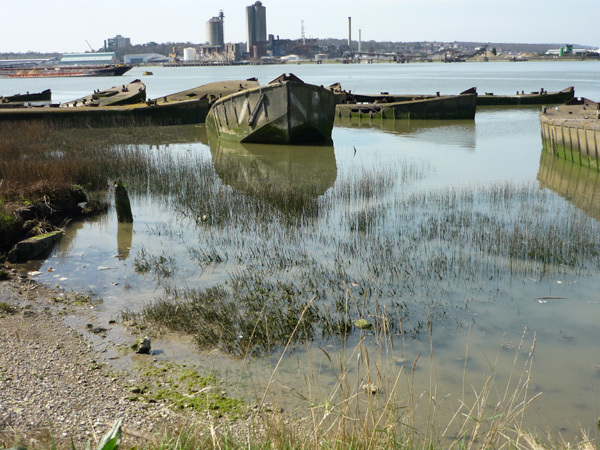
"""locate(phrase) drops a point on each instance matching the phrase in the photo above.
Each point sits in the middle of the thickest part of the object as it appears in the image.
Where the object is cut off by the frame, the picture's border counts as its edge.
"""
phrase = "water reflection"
(286, 176)
(124, 239)
(577, 184)
(460, 133)
(156, 136)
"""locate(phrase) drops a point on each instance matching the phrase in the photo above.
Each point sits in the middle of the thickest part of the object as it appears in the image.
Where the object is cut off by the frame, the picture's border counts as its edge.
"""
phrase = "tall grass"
(373, 402)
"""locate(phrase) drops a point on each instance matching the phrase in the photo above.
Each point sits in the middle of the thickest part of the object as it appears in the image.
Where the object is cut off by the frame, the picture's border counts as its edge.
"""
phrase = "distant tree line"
(28, 55)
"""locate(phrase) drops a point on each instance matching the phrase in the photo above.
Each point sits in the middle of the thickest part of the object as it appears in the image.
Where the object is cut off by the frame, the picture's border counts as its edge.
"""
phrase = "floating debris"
(362, 324)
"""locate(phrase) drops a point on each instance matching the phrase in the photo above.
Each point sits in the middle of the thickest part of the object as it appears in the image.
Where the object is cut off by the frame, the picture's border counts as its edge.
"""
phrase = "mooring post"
(122, 204)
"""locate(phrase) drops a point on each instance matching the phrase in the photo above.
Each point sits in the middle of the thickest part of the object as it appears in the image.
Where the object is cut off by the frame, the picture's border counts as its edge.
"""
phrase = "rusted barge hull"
(572, 132)
(140, 114)
(44, 96)
(124, 106)
(534, 98)
(285, 111)
(214, 90)
(541, 97)
(449, 107)
(126, 94)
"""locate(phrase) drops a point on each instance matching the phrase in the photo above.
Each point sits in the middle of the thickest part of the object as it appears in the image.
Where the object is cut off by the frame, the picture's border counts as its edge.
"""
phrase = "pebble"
(61, 388)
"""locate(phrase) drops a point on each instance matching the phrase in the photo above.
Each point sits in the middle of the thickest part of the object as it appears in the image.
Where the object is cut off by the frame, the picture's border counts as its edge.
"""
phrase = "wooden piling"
(122, 204)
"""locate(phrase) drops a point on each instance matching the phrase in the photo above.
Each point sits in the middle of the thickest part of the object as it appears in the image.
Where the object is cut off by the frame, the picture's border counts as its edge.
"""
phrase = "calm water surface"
(487, 318)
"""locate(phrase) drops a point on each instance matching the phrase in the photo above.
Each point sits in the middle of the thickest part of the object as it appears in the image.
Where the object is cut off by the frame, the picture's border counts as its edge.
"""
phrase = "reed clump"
(246, 321)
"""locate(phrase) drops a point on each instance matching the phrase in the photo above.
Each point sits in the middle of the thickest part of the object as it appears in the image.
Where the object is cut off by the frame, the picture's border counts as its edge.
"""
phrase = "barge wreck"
(126, 94)
(285, 111)
(572, 132)
(541, 97)
(447, 107)
(123, 106)
(44, 96)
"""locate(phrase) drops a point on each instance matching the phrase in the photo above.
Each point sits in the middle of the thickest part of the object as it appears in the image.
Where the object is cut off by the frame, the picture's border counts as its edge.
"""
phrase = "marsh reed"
(296, 266)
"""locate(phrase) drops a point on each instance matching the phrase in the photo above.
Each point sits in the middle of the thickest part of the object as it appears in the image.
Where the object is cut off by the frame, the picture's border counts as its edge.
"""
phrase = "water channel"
(382, 192)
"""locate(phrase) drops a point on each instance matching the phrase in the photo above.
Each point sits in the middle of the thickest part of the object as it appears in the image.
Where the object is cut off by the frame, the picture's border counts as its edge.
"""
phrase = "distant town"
(263, 48)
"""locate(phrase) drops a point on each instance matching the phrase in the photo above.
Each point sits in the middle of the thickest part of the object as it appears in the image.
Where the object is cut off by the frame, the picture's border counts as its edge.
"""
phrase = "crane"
(93, 51)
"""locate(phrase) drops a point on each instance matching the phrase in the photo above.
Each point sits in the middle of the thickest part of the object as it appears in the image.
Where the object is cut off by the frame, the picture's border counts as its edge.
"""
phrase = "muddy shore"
(55, 385)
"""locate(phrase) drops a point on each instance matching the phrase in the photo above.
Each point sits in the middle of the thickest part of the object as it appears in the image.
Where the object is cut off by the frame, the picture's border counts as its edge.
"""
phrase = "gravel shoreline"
(55, 385)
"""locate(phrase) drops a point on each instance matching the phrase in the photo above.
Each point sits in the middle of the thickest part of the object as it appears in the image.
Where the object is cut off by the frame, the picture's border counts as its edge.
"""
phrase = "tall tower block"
(256, 22)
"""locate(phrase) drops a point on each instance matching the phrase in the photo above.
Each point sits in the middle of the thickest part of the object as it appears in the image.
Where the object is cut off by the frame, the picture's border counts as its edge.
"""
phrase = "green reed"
(375, 230)
(418, 251)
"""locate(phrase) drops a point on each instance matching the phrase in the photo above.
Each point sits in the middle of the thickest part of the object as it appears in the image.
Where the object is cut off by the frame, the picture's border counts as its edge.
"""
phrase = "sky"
(69, 25)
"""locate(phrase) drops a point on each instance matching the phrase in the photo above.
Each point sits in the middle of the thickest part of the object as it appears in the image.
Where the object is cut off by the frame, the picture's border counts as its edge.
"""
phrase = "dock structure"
(572, 132)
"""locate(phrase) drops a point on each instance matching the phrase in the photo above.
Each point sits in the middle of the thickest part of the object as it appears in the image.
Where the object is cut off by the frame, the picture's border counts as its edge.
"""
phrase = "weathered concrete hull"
(450, 107)
(546, 98)
(281, 113)
(44, 96)
(213, 90)
(141, 114)
(126, 94)
(572, 132)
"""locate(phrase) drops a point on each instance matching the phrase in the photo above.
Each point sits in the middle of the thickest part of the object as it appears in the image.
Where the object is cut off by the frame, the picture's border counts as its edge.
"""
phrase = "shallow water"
(484, 316)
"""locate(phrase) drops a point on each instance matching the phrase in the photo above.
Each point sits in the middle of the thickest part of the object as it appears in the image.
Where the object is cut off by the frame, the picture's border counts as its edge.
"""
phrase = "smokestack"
(350, 32)
(359, 39)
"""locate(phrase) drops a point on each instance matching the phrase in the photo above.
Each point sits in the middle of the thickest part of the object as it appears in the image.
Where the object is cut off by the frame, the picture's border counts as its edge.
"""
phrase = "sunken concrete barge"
(126, 105)
(572, 132)
(285, 111)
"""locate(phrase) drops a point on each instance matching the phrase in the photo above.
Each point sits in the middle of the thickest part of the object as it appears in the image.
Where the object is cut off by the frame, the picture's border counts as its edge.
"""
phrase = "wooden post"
(122, 204)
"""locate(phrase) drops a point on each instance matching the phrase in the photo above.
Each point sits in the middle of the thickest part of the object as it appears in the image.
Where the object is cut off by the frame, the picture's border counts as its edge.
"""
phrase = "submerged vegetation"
(402, 257)
(405, 252)
(267, 266)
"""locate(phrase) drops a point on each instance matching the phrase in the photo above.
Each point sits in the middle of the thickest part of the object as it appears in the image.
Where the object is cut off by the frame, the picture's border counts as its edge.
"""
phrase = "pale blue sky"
(65, 25)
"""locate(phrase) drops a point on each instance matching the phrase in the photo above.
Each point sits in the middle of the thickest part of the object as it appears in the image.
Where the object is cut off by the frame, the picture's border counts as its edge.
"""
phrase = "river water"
(483, 317)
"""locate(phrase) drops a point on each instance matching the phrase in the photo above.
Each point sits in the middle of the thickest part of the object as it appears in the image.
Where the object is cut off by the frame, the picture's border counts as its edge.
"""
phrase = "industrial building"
(256, 23)
(112, 44)
(89, 59)
(147, 58)
(214, 31)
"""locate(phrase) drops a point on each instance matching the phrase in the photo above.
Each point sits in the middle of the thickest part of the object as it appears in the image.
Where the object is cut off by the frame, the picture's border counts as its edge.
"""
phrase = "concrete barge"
(572, 132)
(285, 111)
(111, 108)
(126, 94)
(541, 97)
(44, 96)
(214, 90)
(139, 114)
(447, 107)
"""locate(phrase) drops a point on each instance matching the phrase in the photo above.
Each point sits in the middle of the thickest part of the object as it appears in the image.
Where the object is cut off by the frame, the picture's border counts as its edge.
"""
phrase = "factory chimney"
(359, 39)
(350, 33)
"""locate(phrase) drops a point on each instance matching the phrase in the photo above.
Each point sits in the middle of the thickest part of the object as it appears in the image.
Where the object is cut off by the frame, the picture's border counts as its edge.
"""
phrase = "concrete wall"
(577, 141)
